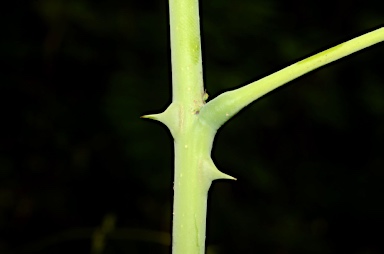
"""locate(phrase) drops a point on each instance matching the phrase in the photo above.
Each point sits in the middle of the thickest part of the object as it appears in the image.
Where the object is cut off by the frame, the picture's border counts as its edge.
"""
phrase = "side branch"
(226, 105)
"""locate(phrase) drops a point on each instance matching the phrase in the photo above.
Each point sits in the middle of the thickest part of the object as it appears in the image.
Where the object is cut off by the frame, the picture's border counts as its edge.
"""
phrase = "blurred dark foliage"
(78, 167)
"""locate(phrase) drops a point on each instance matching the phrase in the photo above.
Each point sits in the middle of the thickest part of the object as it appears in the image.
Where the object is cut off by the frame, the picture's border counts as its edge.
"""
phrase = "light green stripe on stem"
(226, 105)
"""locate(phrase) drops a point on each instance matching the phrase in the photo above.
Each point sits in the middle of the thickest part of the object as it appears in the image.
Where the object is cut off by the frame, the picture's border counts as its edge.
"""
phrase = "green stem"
(193, 123)
(187, 77)
(194, 169)
(226, 105)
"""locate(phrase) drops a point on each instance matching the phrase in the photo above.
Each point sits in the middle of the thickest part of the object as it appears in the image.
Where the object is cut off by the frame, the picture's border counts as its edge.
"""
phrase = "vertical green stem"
(190, 197)
(190, 201)
(193, 136)
(194, 169)
(187, 77)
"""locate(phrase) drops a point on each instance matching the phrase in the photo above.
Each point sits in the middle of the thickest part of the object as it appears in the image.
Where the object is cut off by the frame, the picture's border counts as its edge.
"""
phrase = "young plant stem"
(193, 123)
(194, 169)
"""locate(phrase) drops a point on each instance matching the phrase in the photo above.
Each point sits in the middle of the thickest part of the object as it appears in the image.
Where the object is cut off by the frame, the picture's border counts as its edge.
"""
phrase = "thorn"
(156, 117)
(221, 175)
(170, 117)
(213, 173)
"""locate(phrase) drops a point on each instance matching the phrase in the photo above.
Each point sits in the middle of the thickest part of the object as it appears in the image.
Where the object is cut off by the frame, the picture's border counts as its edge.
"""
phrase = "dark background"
(78, 74)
